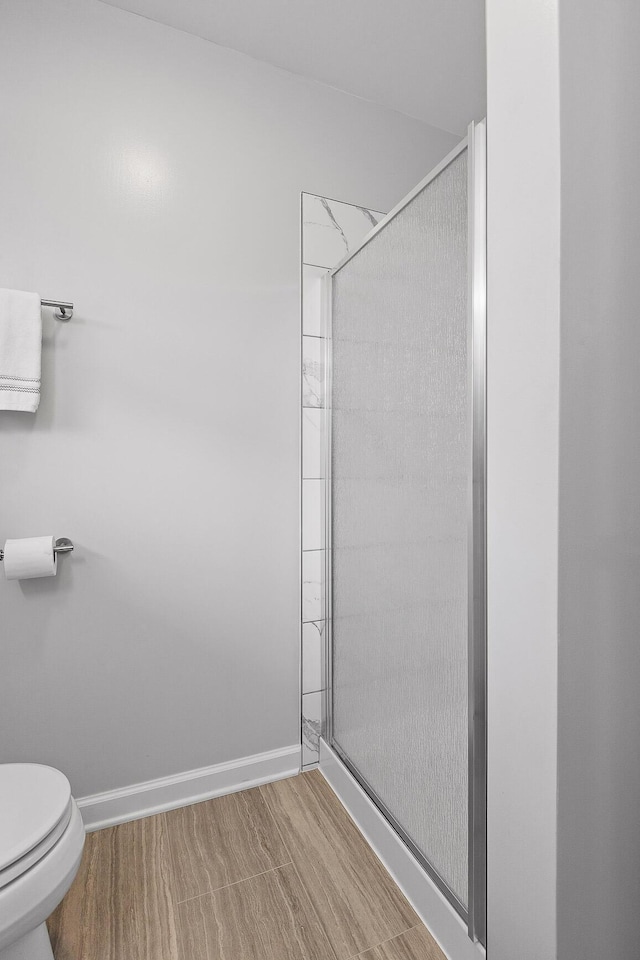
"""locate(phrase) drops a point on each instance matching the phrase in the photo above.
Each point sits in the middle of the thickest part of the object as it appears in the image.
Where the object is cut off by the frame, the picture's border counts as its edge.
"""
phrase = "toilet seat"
(35, 809)
(27, 901)
(36, 853)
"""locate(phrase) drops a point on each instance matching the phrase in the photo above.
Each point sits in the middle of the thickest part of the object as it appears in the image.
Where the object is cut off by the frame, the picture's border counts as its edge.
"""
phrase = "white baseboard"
(144, 799)
(433, 909)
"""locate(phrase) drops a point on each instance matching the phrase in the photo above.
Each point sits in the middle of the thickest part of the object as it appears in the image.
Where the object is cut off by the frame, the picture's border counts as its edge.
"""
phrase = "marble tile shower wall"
(330, 230)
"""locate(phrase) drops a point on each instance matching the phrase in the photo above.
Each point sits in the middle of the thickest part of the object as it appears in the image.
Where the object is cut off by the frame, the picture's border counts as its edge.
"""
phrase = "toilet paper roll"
(30, 557)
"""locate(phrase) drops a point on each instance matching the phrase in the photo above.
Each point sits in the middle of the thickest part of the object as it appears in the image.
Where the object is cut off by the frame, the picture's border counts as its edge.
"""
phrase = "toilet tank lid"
(33, 800)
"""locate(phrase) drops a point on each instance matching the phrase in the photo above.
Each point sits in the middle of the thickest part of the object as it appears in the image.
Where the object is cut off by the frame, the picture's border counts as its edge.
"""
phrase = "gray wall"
(154, 179)
(522, 496)
(599, 665)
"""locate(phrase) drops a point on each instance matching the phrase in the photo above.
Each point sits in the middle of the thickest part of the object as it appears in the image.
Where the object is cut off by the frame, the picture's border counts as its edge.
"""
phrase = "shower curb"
(434, 910)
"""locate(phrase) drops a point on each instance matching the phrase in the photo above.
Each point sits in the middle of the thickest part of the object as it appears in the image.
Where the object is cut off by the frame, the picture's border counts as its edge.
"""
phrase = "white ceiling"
(425, 58)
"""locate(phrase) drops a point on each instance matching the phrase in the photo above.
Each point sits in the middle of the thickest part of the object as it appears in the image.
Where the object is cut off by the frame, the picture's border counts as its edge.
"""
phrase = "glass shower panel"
(400, 465)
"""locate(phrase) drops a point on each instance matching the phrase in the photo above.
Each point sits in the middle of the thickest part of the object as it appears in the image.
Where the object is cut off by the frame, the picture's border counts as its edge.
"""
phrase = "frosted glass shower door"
(401, 463)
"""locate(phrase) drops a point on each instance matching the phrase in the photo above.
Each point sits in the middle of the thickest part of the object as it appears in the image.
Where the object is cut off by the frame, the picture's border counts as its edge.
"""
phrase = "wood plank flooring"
(222, 841)
(279, 872)
(356, 899)
(120, 904)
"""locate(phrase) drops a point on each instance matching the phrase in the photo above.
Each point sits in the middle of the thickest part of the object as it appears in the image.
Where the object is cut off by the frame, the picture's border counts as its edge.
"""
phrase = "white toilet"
(41, 841)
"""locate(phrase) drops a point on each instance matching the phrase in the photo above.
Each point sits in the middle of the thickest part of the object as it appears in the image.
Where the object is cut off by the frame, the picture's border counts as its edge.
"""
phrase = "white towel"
(20, 350)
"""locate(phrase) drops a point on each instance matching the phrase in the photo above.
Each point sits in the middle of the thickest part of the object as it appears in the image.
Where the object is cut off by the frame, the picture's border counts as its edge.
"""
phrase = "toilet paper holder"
(62, 545)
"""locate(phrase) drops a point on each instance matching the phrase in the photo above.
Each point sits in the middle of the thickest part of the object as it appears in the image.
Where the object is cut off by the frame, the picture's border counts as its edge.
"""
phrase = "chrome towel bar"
(63, 310)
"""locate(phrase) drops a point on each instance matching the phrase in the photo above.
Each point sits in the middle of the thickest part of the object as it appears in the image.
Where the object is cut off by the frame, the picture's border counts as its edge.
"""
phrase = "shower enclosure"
(405, 513)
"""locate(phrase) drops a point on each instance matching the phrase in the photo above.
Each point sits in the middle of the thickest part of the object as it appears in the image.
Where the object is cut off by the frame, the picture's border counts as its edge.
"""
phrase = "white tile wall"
(330, 230)
(313, 514)
(311, 718)
(312, 372)
(312, 585)
(312, 459)
(311, 300)
(312, 656)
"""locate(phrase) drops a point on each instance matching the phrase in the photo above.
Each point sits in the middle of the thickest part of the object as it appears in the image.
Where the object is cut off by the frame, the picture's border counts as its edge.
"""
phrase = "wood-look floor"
(279, 872)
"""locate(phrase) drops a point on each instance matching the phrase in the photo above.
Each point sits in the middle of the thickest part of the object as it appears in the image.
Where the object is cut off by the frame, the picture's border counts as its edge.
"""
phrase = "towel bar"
(63, 311)
(62, 545)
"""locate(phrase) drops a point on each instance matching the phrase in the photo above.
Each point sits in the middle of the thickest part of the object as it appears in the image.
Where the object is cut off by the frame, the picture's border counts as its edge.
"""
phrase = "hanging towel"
(20, 350)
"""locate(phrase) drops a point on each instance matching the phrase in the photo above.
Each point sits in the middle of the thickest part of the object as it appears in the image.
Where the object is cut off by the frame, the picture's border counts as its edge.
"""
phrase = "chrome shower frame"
(475, 914)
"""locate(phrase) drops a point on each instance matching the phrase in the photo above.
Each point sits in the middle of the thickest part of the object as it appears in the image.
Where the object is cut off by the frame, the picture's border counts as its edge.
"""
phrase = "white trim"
(166, 793)
(524, 275)
(434, 910)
